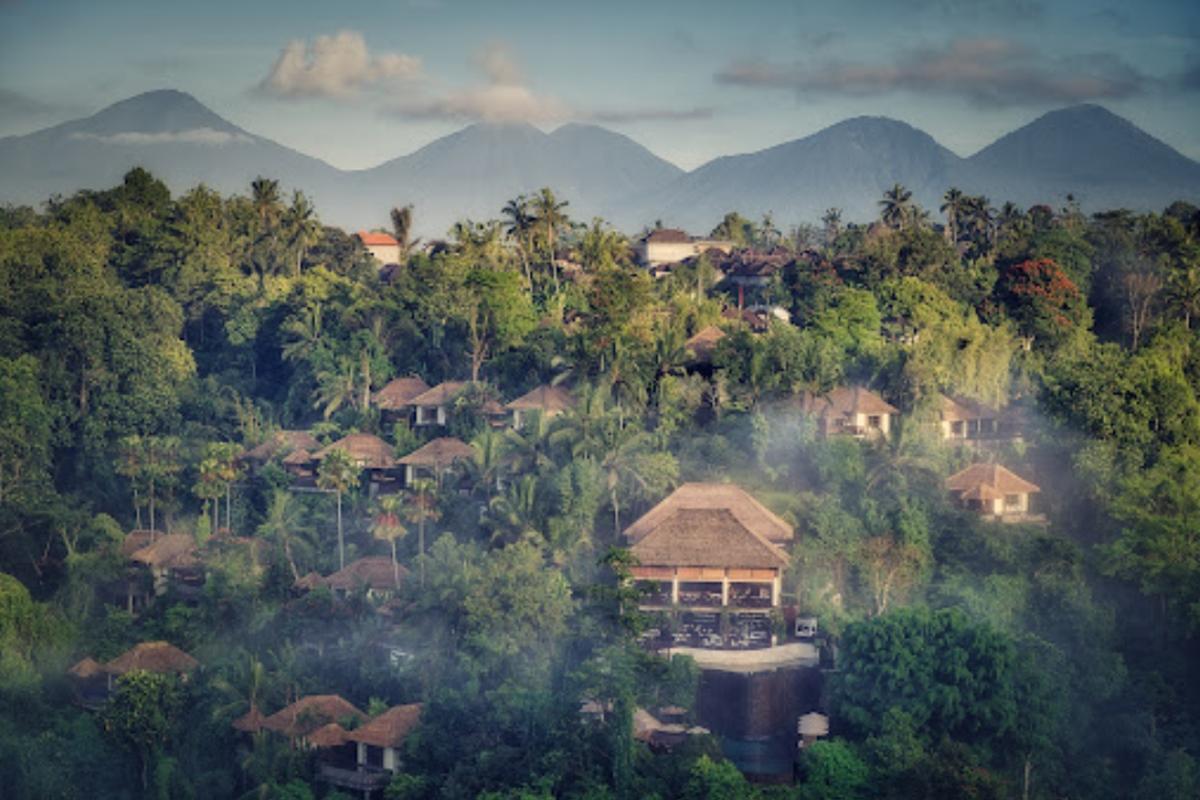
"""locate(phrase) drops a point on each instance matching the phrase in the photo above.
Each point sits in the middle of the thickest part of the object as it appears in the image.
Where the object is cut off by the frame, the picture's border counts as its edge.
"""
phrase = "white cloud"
(504, 97)
(985, 71)
(337, 67)
(202, 136)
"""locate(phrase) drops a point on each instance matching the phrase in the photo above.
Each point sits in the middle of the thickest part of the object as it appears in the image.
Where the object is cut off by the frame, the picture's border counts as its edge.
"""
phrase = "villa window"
(874, 423)
(1012, 501)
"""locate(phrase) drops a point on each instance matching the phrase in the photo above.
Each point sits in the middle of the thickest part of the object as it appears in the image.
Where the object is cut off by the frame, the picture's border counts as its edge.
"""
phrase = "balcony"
(363, 779)
(749, 595)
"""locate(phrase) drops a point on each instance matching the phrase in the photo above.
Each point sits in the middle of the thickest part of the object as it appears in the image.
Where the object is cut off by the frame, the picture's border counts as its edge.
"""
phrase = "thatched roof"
(667, 236)
(136, 540)
(250, 722)
(439, 395)
(390, 728)
(706, 537)
(297, 457)
(87, 668)
(957, 409)
(547, 399)
(750, 264)
(331, 735)
(309, 713)
(988, 482)
(367, 450)
(309, 582)
(281, 442)
(704, 344)
(161, 657)
(748, 511)
(847, 401)
(374, 572)
(438, 453)
(168, 551)
(398, 392)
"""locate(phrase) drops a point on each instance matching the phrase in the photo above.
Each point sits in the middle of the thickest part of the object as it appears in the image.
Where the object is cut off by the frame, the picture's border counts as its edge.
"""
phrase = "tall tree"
(421, 507)
(896, 207)
(301, 227)
(953, 203)
(339, 474)
(551, 217)
(402, 222)
(388, 528)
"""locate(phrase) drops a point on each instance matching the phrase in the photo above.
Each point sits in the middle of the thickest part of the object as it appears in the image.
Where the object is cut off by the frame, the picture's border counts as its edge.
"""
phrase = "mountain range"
(1101, 159)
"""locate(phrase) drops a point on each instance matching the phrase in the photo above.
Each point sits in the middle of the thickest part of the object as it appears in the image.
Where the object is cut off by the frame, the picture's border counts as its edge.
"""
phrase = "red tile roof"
(375, 239)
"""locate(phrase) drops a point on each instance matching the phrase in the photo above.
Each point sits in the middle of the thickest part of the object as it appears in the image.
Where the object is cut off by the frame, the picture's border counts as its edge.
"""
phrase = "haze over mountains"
(1103, 160)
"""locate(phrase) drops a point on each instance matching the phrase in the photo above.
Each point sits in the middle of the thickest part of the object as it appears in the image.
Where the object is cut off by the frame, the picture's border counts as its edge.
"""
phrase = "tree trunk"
(341, 541)
(616, 513)
(421, 548)
(395, 566)
(152, 506)
(229, 507)
(1025, 779)
(137, 508)
(287, 551)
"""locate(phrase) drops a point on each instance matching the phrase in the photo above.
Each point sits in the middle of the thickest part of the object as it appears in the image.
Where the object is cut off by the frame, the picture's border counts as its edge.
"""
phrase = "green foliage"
(832, 771)
(952, 677)
(716, 780)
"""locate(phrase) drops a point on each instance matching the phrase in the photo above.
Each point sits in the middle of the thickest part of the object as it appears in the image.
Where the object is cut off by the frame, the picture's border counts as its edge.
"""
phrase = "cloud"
(993, 71)
(506, 97)
(201, 136)
(336, 67)
(1006, 9)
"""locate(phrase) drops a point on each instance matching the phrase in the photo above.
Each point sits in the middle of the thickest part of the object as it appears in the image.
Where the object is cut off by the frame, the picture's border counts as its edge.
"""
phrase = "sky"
(358, 83)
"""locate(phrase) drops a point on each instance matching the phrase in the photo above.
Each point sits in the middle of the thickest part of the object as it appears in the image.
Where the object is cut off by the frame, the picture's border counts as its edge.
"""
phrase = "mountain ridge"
(1100, 158)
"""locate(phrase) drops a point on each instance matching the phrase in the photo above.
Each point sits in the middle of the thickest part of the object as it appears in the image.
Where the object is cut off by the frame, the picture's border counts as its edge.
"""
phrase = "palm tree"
(768, 232)
(208, 486)
(160, 463)
(131, 466)
(302, 335)
(302, 227)
(240, 686)
(550, 216)
(896, 206)
(264, 194)
(833, 224)
(388, 528)
(528, 450)
(422, 508)
(338, 473)
(402, 219)
(511, 516)
(282, 525)
(519, 223)
(954, 201)
(228, 470)
(336, 386)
